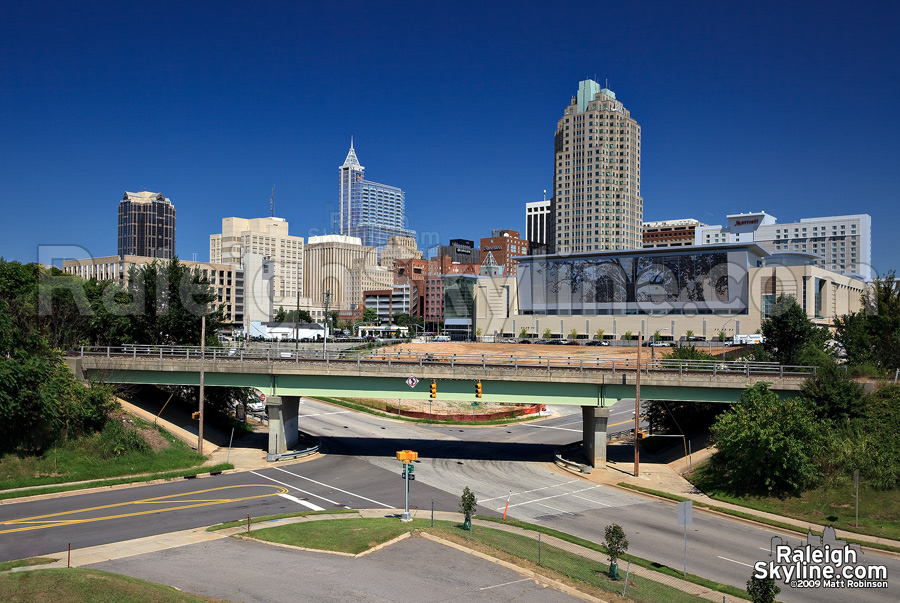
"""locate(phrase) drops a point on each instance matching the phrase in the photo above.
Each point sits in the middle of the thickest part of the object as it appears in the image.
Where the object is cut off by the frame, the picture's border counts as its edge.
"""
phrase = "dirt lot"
(532, 350)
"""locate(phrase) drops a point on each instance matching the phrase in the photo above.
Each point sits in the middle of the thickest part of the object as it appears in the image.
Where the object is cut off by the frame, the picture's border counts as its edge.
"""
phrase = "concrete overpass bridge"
(595, 384)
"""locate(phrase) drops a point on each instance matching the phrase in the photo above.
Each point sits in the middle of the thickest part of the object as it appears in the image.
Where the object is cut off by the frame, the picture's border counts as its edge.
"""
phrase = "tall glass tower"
(371, 211)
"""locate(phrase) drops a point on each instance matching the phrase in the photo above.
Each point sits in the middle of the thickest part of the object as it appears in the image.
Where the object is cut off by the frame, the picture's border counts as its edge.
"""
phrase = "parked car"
(660, 344)
(595, 342)
(524, 341)
(573, 342)
(256, 406)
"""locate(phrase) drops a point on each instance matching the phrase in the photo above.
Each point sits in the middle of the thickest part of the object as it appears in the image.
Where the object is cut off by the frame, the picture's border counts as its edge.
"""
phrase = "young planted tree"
(523, 333)
(599, 333)
(616, 545)
(547, 334)
(762, 590)
(467, 505)
(573, 334)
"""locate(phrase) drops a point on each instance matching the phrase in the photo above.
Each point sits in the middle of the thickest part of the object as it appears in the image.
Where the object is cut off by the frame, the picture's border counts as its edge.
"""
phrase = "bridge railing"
(612, 364)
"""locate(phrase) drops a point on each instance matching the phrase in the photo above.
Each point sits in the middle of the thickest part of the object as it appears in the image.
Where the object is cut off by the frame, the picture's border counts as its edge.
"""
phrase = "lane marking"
(552, 427)
(555, 509)
(505, 584)
(34, 523)
(305, 503)
(337, 504)
(321, 414)
(532, 490)
(333, 488)
(595, 502)
(538, 500)
(733, 561)
(622, 423)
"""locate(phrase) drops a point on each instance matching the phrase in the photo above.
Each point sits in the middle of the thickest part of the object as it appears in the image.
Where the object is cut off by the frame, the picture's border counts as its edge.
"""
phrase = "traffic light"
(640, 435)
(195, 415)
(434, 389)
(478, 389)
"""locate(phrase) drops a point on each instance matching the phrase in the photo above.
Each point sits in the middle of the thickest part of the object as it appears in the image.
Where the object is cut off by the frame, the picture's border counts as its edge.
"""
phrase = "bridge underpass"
(594, 387)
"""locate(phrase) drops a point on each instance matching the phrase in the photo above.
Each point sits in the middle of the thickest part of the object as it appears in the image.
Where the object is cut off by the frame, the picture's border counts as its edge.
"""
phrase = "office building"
(397, 299)
(537, 222)
(460, 251)
(269, 238)
(597, 203)
(227, 281)
(398, 248)
(843, 244)
(670, 233)
(368, 210)
(329, 261)
(146, 226)
(503, 246)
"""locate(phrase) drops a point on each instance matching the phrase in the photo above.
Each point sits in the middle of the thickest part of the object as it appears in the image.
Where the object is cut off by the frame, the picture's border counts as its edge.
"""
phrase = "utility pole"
(637, 409)
(202, 354)
(325, 340)
(297, 315)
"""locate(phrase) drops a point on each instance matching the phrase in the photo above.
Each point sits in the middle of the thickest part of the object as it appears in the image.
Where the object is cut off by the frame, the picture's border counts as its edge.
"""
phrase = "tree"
(762, 590)
(523, 333)
(573, 334)
(478, 332)
(547, 334)
(689, 334)
(370, 315)
(766, 444)
(787, 331)
(467, 505)
(616, 545)
(851, 331)
(832, 394)
(627, 336)
(656, 335)
(599, 333)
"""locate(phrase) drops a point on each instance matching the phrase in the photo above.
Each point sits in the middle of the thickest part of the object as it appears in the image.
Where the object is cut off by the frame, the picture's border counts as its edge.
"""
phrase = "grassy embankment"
(130, 447)
(88, 586)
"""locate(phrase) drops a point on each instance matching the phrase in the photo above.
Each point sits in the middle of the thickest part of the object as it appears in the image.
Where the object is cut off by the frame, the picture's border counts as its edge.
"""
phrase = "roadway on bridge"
(359, 471)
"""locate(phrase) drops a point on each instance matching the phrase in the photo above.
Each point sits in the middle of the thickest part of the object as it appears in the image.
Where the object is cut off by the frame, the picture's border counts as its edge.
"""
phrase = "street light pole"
(637, 409)
(202, 355)
(325, 339)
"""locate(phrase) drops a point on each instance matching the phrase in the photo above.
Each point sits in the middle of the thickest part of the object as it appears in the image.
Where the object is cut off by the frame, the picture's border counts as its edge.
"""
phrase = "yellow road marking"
(622, 423)
(35, 523)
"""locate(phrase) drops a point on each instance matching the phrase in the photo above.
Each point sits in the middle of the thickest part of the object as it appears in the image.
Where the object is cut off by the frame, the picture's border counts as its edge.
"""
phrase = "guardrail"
(484, 361)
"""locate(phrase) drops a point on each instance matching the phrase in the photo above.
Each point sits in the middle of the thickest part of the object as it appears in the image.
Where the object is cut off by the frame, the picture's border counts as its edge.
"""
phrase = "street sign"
(262, 397)
(412, 476)
(412, 381)
(410, 468)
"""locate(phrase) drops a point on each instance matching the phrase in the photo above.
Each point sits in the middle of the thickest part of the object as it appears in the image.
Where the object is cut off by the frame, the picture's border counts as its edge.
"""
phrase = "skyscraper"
(597, 201)
(371, 211)
(146, 225)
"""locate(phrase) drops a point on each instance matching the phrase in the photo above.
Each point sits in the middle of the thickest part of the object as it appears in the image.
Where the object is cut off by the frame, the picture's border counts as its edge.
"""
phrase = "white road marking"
(322, 414)
(595, 502)
(733, 561)
(504, 584)
(552, 427)
(538, 500)
(296, 488)
(305, 503)
(333, 488)
(555, 509)
(533, 490)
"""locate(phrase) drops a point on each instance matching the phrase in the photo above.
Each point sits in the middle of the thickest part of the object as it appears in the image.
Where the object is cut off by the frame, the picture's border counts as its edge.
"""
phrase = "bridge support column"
(284, 428)
(593, 444)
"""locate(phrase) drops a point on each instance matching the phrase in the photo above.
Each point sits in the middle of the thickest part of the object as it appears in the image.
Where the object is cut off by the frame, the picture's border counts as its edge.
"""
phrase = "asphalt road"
(359, 470)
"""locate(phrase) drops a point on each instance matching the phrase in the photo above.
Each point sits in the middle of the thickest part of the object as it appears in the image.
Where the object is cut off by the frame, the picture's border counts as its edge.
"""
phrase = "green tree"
(547, 334)
(627, 336)
(689, 334)
(599, 333)
(616, 546)
(370, 315)
(478, 332)
(787, 331)
(573, 334)
(851, 331)
(523, 333)
(467, 506)
(280, 315)
(832, 394)
(766, 444)
(882, 301)
(762, 590)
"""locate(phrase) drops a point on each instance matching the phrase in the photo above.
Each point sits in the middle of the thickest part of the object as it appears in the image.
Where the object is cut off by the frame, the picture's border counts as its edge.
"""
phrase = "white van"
(442, 338)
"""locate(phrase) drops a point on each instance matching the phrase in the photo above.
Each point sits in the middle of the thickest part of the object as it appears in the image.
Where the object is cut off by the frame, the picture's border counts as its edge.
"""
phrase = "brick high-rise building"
(597, 203)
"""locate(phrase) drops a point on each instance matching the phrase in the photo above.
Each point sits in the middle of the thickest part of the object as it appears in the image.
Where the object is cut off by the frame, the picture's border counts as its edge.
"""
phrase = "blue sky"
(757, 106)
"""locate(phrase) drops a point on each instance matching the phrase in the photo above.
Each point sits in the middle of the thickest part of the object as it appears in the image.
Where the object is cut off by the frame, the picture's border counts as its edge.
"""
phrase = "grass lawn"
(357, 535)
(265, 518)
(879, 511)
(86, 586)
(84, 459)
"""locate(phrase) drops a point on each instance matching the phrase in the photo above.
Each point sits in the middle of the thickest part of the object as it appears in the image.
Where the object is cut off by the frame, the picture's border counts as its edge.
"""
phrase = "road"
(359, 470)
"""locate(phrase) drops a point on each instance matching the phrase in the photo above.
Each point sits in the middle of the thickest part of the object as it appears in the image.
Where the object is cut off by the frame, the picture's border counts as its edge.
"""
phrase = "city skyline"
(786, 110)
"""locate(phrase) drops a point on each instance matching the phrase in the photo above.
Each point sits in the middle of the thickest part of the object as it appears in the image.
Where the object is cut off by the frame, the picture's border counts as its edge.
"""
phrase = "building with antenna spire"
(368, 210)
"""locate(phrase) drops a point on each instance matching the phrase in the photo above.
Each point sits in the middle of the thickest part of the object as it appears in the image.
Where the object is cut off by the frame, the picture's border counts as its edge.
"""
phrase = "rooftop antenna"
(273, 202)
(545, 194)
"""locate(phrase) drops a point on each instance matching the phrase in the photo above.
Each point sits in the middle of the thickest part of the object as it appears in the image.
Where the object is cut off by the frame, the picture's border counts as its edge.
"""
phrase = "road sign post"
(407, 457)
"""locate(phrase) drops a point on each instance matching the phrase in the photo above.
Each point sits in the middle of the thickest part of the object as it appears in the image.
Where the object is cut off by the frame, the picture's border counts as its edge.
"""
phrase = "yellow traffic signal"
(640, 435)
(478, 389)
(434, 389)
(195, 415)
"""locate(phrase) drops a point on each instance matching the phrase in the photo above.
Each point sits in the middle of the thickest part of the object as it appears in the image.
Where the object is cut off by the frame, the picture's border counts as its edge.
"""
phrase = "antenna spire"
(273, 202)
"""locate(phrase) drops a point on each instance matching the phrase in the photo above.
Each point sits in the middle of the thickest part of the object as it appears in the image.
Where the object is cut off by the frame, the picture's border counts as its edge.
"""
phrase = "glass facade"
(146, 226)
